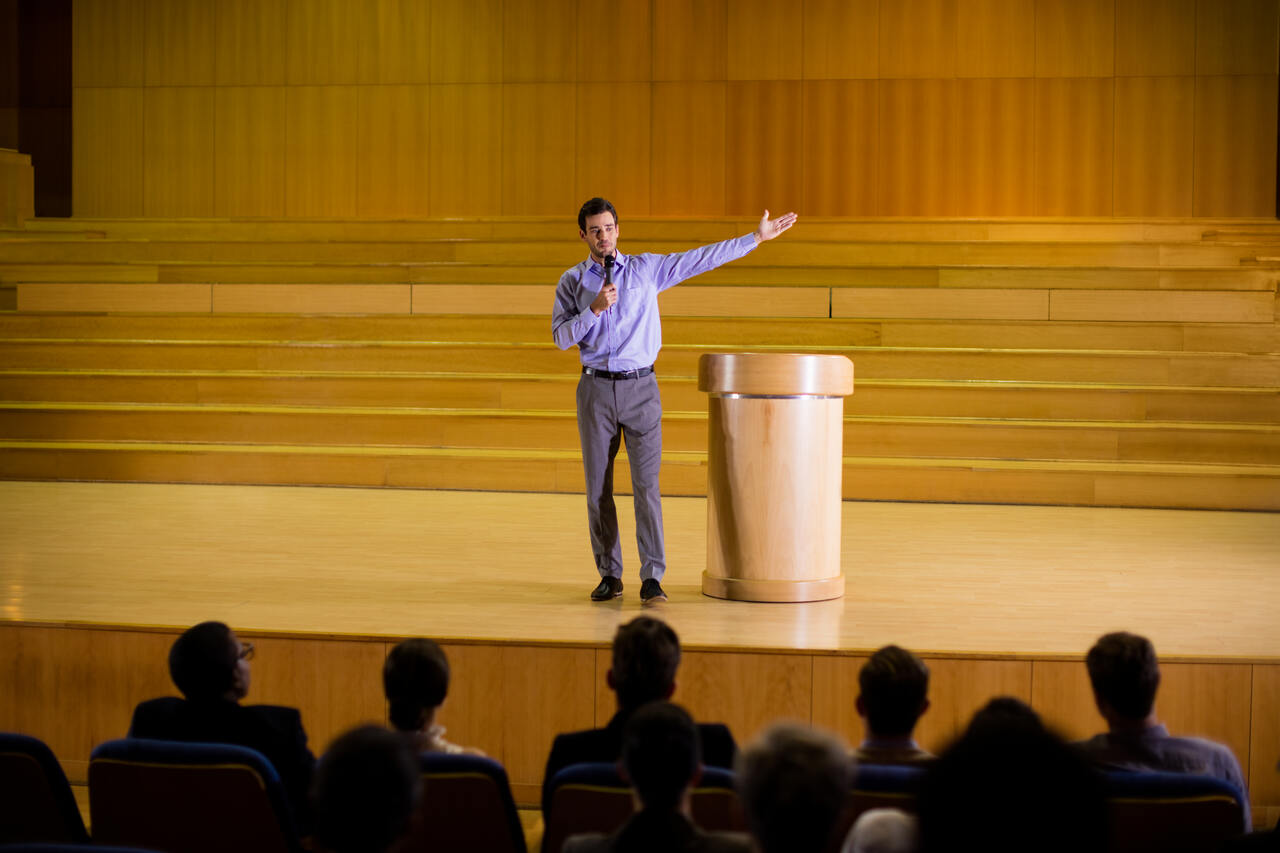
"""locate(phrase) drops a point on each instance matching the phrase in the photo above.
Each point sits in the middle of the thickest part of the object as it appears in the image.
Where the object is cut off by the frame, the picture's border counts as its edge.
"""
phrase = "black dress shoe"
(651, 591)
(610, 587)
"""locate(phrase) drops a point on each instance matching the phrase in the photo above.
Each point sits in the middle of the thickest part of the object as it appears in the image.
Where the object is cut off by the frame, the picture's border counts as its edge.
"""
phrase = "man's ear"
(610, 680)
(924, 706)
(670, 691)
(622, 772)
(697, 775)
(860, 706)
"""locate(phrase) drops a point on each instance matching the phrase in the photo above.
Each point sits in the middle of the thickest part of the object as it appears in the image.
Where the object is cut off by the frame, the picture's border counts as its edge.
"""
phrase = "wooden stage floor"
(961, 580)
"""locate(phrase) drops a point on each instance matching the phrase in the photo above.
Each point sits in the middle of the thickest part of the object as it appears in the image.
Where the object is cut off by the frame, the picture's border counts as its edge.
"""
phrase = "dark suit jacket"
(718, 749)
(666, 831)
(273, 730)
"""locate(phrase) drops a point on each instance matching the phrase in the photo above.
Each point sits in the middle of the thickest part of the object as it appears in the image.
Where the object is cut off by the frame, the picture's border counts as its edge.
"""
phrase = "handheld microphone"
(608, 271)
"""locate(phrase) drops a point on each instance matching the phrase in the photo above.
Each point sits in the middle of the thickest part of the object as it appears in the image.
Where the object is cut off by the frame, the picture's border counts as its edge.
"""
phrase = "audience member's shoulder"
(587, 842)
(726, 842)
(152, 714)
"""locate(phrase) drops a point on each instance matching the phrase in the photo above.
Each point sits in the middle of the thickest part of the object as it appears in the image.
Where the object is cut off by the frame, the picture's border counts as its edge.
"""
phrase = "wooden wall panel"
(917, 130)
(470, 714)
(617, 45)
(394, 38)
(918, 38)
(1235, 147)
(763, 41)
(539, 41)
(465, 150)
(761, 167)
(311, 298)
(321, 153)
(993, 154)
(1074, 147)
(117, 297)
(179, 43)
(689, 39)
(1155, 37)
(996, 38)
(1061, 694)
(322, 41)
(539, 146)
(335, 684)
(746, 692)
(1237, 37)
(250, 42)
(1075, 38)
(1154, 142)
(249, 151)
(466, 41)
(108, 43)
(74, 689)
(1208, 700)
(841, 147)
(958, 688)
(555, 690)
(841, 39)
(835, 691)
(178, 152)
(1264, 740)
(613, 147)
(393, 137)
(687, 170)
(106, 145)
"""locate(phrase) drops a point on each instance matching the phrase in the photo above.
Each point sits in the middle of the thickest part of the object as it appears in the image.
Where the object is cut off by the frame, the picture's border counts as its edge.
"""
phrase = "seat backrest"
(187, 798)
(879, 786)
(592, 797)
(36, 803)
(466, 805)
(1171, 812)
(68, 847)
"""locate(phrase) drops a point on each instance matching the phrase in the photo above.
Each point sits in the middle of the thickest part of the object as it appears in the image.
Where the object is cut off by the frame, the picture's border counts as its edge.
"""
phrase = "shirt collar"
(619, 263)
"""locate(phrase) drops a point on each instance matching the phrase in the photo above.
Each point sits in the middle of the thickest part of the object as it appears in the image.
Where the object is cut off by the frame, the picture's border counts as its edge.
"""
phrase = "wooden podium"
(774, 462)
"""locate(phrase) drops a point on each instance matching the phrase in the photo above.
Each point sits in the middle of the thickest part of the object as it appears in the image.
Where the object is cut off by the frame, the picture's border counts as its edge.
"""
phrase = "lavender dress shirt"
(628, 335)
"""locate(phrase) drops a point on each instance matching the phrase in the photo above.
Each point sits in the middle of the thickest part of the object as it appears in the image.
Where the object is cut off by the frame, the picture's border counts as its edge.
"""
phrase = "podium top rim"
(775, 374)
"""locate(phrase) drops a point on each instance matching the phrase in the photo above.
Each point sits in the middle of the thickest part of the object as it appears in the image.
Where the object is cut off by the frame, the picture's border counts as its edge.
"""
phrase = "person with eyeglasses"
(210, 666)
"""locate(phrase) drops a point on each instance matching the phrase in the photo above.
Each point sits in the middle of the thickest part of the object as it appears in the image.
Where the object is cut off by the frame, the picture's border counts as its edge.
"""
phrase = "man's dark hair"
(646, 655)
(415, 679)
(364, 791)
(202, 661)
(1125, 673)
(894, 684)
(594, 207)
(661, 751)
(1010, 784)
(794, 783)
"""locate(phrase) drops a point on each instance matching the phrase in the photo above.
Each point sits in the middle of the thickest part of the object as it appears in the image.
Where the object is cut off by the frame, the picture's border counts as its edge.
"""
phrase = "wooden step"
(556, 429)
(872, 397)
(1197, 369)
(735, 332)
(1254, 487)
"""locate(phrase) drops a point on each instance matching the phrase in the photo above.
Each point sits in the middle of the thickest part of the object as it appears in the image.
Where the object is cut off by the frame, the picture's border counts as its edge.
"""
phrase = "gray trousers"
(608, 410)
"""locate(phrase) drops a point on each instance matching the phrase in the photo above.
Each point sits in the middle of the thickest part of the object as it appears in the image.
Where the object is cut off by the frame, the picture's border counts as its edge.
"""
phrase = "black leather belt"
(626, 374)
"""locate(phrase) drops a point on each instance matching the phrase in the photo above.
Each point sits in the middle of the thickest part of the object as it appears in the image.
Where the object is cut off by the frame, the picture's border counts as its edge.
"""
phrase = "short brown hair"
(1125, 673)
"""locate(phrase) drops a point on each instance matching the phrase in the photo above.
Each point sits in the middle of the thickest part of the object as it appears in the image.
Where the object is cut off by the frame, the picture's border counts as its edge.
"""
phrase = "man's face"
(243, 653)
(601, 235)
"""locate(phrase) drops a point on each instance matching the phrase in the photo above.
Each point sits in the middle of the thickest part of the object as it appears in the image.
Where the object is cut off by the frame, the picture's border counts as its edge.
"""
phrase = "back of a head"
(894, 684)
(202, 661)
(415, 678)
(1125, 673)
(646, 655)
(794, 783)
(882, 831)
(364, 791)
(1010, 784)
(661, 752)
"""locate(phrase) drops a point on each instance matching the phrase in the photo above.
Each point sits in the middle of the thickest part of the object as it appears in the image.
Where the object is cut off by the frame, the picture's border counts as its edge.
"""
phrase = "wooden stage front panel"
(99, 578)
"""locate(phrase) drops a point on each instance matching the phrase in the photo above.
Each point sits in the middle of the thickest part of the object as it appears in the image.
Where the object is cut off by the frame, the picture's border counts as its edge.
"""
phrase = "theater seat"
(879, 786)
(594, 798)
(187, 798)
(1172, 812)
(466, 805)
(36, 803)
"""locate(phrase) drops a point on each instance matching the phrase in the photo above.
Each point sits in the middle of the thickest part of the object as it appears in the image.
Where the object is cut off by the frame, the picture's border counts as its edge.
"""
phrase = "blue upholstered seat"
(1172, 812)
(36, 803)
(466, 805)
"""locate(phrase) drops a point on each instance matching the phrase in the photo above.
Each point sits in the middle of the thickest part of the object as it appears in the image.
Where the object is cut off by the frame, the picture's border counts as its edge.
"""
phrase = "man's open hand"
(770, 228)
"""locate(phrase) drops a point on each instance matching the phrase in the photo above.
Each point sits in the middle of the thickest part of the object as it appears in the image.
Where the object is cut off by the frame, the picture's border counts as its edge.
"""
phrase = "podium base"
(739, 589)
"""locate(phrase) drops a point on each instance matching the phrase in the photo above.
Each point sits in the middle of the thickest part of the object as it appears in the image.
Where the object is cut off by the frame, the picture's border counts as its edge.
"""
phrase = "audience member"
(415, 679)
(894, 687)
(794, 783)
(365, 790)
(882, 831)
(210, 666)
(1125, 676)
(661, 758)
(646, 655)
(1009, 784)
